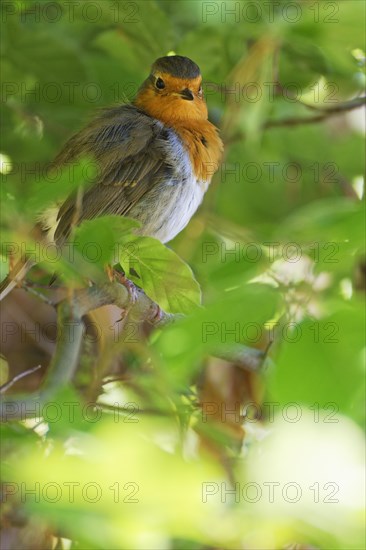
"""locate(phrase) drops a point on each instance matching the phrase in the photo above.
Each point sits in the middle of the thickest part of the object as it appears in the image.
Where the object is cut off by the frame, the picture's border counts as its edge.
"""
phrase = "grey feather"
(144, 172)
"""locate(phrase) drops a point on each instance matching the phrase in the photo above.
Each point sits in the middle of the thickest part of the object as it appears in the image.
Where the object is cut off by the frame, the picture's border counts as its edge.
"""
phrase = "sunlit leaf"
(161, 273)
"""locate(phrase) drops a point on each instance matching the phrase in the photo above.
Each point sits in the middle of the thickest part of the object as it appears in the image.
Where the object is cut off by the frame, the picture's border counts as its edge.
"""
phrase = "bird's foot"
(120, 277)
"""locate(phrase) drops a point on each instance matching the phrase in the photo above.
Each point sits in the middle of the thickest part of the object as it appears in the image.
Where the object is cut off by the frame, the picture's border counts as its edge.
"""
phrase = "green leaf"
(57, 184)
(322, 362)
(94, 245)
(163, 275)
(335, 219)
(334, 237)
(96, 241)
(4, 370)
(236, 317)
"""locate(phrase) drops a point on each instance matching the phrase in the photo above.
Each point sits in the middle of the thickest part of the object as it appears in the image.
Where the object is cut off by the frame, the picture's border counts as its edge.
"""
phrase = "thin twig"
(122, 410)
(11, 382)
(355, 103)
(29, 287)
(70, 330)
(324, 113)
(247, 358)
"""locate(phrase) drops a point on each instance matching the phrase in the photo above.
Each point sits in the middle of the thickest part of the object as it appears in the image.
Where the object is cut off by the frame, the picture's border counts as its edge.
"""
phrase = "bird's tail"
(15, 276)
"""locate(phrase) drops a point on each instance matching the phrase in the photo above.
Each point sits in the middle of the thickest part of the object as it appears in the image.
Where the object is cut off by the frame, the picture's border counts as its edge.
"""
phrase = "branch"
(355, 103)
(324, 113)
(249, 359)
(70, 329)
(11, 382)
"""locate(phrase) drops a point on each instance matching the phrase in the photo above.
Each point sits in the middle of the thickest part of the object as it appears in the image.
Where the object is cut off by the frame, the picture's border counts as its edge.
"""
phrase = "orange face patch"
(175, 84)
(168, 104)
(162, 97)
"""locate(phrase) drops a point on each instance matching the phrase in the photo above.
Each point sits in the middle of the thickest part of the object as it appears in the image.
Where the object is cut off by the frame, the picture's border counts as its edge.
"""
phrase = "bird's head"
(173, 91)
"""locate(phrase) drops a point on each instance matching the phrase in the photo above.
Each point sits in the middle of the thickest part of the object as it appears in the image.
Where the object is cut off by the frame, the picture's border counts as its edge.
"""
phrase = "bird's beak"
(187, 94)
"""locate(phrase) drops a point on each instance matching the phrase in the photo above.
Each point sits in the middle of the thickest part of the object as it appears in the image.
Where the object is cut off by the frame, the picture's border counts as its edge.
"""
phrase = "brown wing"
(130, 149)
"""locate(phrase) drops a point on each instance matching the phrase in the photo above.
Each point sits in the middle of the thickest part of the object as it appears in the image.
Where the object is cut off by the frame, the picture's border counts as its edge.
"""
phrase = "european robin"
(156, 158)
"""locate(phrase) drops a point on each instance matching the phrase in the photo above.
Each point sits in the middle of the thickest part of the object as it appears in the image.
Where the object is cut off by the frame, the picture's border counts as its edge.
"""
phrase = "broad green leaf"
(127, 496)
(159, 271)
(331, 220)
(237, 316)
(96, 241)
(335, 237)
(34, 188)
(4, 370)
(322, 362)
(57, 184)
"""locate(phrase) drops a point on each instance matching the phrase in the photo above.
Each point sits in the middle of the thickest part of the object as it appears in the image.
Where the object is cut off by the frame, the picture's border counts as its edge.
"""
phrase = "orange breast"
(204, 146)
(189, 120)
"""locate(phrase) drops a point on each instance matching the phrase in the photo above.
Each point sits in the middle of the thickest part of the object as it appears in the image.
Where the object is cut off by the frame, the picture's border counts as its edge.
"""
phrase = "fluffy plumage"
(145, 173)
(156, 158)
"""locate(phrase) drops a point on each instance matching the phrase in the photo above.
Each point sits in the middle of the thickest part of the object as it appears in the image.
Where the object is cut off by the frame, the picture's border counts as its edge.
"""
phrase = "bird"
(156, 157)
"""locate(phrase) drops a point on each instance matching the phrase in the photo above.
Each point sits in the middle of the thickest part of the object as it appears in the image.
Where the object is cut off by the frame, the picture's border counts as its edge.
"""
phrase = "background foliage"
(277, 249)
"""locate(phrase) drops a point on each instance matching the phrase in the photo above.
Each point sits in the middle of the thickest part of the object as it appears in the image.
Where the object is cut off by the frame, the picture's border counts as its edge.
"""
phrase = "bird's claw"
(121, 278)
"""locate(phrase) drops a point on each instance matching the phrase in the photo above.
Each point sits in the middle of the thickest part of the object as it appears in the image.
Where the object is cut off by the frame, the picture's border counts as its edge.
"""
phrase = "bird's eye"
(159, 83)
